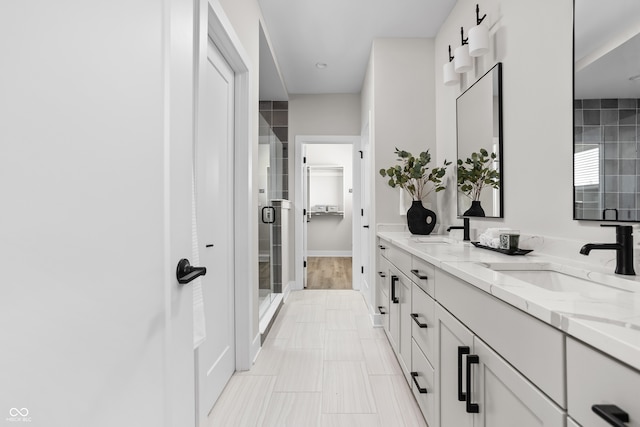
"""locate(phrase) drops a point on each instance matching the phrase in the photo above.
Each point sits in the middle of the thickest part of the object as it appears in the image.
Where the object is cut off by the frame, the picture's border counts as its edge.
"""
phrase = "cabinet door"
(453, 339)
(382, 293)
(503, 395)
(394, 310)
(404, 295)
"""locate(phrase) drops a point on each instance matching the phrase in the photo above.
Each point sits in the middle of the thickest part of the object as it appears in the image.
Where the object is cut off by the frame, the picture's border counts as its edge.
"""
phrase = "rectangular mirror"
(479, 145)
(606, 170)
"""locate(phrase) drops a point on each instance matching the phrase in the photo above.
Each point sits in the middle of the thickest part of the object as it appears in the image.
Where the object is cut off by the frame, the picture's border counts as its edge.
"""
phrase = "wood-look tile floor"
(323, 364)
(329, 273)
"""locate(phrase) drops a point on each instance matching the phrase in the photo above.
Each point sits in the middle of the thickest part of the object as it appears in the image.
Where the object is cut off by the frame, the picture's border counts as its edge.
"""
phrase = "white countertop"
(607, 320)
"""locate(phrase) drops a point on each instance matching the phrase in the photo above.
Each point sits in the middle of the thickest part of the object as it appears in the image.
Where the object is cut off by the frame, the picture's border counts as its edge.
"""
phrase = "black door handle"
(418, 275)
(414, 316)
(394, 279)
(611, 414)
(472, 408)
(270, 218)
(414, 375)
(462, 350)
(186, 272)
(380, 310)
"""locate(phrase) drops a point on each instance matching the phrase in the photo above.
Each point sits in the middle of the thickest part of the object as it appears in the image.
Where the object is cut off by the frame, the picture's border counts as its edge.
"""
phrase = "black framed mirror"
(606, 158)
(479, 147)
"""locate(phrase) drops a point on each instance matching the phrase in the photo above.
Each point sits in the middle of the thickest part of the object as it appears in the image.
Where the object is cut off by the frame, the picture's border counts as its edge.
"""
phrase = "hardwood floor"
(329, 273)
(323, 364)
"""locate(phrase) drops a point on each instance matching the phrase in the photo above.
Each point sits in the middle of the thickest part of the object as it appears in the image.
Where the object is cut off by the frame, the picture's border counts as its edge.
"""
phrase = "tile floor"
(323, 364)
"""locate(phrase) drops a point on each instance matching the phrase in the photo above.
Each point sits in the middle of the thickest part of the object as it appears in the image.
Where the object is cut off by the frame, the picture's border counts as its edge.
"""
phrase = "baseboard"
(377, 320)
(256, 346)
(340, 254)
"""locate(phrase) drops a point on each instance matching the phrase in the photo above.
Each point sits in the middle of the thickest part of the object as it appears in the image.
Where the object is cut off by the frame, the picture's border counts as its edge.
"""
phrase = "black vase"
(475, 209)
(420, 219)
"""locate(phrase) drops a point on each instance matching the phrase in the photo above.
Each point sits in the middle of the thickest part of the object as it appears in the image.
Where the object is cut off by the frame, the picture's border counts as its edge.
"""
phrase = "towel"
(199, 326)
(491, 237)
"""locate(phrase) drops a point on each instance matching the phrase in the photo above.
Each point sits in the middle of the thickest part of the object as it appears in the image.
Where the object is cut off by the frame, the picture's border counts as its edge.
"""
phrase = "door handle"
(472, 408)
(611, 414)
(185, 272)
(462, 350)
(394, 299)
(414, 316)
(270, 216)
(414, 375)
(419, 275)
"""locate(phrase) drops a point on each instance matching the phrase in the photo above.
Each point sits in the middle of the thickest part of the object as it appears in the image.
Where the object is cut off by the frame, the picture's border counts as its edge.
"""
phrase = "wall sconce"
(479, 36)
(462, 59)
(449, 75)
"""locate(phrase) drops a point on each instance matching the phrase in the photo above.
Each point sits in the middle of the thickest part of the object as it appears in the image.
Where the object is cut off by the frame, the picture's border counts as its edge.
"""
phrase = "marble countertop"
(607, 317)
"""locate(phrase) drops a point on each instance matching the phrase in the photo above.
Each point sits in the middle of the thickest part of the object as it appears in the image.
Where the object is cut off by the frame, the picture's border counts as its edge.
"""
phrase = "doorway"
(328, 192)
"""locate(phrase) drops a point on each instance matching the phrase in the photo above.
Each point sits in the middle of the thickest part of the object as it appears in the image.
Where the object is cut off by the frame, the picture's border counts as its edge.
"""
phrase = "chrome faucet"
(623, 247)
(466, 237)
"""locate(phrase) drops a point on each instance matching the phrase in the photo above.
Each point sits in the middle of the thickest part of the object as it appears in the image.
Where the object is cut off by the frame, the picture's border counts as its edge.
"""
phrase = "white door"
(95, 174)
(214, 185)
(306, 214)
(366, 226)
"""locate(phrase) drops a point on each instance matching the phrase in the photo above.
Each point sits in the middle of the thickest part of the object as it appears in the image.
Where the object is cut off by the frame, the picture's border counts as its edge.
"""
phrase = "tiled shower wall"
(276, 114)
(613, 126)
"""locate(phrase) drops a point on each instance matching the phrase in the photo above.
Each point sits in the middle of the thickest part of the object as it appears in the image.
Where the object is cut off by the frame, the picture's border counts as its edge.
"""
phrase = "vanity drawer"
(383, 247)
(595, 379)
(425, 308)
(382, 276)
(534, 348)
(400, 259)
(423, 373)
(423, 274)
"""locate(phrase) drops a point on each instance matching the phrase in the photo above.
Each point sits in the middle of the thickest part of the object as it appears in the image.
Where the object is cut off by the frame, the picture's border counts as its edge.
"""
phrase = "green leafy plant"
(414, 175)
(476, 173)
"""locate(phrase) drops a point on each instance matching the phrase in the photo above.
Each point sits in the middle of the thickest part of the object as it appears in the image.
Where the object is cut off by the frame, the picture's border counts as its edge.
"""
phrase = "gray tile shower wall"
(613, 127)
(276, 114)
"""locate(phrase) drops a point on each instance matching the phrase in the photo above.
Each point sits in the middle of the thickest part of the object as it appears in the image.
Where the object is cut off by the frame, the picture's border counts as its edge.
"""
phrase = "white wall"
(326, 114)
(399, 90)
(332, 234)
(538, 108)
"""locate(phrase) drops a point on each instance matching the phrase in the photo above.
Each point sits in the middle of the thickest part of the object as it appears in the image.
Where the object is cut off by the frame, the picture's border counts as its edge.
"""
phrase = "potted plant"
(474, 174)
(413, 175)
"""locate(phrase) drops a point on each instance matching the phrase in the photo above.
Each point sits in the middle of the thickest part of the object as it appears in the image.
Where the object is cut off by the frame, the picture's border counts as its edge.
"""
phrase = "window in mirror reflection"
(606, 109)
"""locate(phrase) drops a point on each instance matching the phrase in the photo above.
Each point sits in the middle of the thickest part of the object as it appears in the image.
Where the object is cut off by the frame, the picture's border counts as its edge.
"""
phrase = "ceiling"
(607, 49)
(339, 33)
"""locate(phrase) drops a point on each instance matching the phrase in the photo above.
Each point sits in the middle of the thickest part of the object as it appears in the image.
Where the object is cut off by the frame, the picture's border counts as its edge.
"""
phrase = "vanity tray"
(503, 251)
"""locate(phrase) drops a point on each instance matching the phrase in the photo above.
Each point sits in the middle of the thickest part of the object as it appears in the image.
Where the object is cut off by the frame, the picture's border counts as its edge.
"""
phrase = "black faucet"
(623, 247)
(466, 237)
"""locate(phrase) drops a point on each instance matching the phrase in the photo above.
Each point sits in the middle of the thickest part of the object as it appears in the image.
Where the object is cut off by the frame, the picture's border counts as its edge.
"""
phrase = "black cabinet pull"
(418, 275)
(365, 226)
(394, 279)
(611, 414)
(382, 248)
(414, 375)
(462, 350)
(381, 274)
(414, 316)
(472, 408)
(185, 272)
(380, 310)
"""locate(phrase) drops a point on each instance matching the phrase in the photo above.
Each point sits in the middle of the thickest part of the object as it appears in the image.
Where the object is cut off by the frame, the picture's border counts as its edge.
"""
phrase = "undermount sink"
(431, 240)
(550, 277)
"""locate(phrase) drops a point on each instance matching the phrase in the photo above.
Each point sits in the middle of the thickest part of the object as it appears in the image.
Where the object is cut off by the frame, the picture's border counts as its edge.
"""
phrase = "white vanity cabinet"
(478, 388)
(400, 319)
(596, 379)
